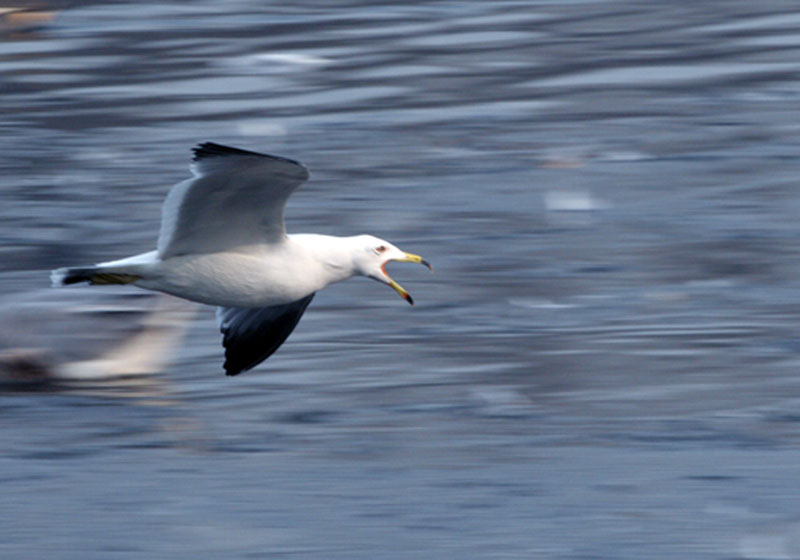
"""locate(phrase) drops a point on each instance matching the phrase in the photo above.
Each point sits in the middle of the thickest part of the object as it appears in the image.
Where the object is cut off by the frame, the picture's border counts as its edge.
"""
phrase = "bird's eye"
(381, 249)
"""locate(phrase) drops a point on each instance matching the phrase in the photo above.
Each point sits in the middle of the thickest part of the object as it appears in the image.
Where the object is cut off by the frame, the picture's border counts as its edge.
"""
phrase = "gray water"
(603, 365)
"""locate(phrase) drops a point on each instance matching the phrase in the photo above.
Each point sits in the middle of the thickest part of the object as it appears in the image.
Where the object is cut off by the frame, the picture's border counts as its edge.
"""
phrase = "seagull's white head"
(372, 256)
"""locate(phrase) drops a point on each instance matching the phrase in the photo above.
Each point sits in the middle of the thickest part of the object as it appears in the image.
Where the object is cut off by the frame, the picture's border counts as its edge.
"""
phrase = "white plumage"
(223, 242)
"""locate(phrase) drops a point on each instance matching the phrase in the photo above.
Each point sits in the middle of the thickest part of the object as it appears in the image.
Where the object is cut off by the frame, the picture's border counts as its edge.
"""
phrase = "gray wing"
(251, 335)
(236, 198)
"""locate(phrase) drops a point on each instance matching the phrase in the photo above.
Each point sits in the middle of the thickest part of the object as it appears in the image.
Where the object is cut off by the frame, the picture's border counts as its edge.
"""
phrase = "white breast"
(258, 276)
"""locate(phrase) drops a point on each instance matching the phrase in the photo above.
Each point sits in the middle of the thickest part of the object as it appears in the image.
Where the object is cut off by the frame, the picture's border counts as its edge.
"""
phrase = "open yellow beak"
(397, 287)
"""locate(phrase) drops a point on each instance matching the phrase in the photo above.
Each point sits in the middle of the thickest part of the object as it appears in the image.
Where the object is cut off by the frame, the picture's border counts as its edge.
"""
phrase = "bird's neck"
(333, 256)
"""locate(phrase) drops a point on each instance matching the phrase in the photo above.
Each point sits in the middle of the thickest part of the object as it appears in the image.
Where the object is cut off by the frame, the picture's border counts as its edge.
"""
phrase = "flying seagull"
(223, 242)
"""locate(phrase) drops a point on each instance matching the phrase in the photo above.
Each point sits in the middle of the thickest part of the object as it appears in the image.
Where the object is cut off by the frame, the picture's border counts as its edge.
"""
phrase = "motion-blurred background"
(604, 365)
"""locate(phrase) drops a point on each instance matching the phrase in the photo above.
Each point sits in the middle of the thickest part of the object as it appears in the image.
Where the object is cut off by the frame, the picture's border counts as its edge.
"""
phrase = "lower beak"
(397, 287)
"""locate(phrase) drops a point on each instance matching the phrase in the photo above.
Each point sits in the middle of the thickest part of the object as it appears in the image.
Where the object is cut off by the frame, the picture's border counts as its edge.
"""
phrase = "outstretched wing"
(252, 334)
(236, 198)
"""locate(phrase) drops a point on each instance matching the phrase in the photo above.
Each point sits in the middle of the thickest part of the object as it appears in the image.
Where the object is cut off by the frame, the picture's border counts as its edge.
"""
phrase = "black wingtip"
(212, 149)
(252, 335)
(233, 366)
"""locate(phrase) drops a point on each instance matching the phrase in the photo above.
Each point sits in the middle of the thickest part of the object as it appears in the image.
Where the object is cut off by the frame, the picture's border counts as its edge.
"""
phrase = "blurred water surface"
(604, 364)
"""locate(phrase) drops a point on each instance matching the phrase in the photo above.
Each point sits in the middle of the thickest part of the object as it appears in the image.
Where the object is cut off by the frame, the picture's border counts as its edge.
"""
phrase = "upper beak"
(409, 257)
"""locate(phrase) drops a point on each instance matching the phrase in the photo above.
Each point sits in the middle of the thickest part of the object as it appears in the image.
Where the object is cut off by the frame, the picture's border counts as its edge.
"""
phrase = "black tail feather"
(90, 274)
(67, 276)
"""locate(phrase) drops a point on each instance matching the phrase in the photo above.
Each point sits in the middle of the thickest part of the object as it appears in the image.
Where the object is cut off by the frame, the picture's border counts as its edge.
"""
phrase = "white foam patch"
(260, 128)
(298, 59)
(622, 155)
(572, 201)
(531, 303)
